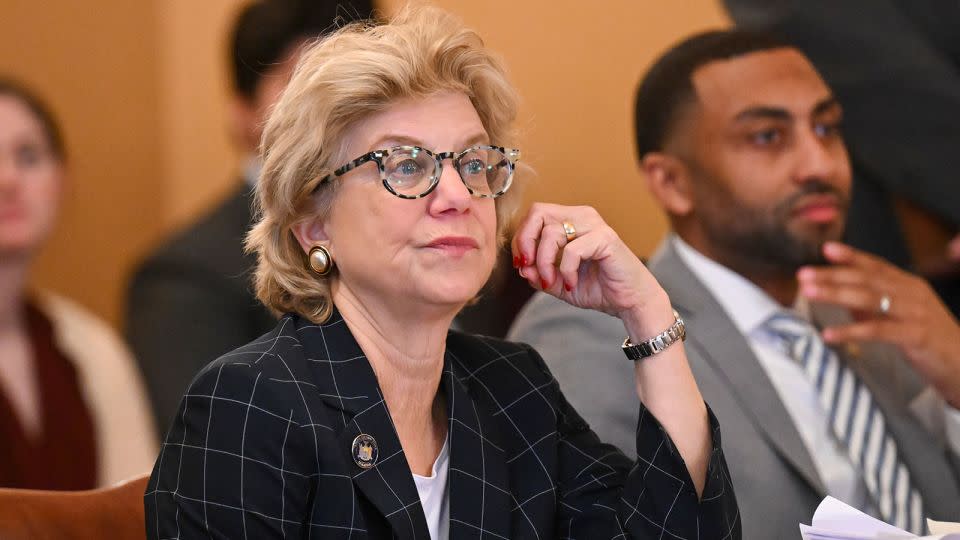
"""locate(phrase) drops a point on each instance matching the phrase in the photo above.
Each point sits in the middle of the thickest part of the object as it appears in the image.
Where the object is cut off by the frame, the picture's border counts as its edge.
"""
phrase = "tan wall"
(95, 62)
(141, 90)
(199, 162)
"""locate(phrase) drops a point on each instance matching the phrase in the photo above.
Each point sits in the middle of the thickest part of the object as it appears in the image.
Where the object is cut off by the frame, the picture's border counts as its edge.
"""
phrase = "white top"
(435, 495)
(748, 308)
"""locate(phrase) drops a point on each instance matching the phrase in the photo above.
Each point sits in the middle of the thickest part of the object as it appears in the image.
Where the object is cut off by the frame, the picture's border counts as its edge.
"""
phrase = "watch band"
(639, 351)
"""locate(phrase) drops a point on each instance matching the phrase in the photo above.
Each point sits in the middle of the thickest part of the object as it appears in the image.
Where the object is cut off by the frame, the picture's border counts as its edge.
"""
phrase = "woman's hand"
(594, 269)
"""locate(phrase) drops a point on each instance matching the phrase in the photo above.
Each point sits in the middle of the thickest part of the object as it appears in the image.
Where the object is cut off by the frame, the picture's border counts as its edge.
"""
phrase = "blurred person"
(73, 412)
(385, 193)
(202, 270)
(832, 371)
(894, 65)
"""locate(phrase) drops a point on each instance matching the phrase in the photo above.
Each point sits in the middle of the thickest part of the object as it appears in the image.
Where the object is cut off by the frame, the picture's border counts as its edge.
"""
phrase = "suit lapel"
(480, 501)
(347, 384)
(724, 348)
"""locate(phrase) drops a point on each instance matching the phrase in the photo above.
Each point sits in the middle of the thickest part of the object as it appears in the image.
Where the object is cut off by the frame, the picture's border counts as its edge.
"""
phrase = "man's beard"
(757, 241)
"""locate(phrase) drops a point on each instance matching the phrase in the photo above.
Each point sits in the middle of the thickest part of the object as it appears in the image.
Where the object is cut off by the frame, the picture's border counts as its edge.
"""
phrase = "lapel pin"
(364, 451)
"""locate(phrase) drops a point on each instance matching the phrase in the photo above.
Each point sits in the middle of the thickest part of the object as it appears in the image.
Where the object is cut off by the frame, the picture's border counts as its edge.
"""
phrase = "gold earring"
(321, 261)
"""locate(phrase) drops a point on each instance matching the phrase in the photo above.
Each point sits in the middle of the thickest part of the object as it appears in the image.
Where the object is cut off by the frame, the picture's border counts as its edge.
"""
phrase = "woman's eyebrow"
(407, 140)
(396, 140)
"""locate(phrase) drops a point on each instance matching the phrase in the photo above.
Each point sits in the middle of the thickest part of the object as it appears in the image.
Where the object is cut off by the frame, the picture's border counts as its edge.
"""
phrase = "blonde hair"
(360, 69)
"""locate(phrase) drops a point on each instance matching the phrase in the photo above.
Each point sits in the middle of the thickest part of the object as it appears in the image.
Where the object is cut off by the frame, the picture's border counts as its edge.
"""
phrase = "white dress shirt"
(435, 495)
(252, 167)
(748, 308)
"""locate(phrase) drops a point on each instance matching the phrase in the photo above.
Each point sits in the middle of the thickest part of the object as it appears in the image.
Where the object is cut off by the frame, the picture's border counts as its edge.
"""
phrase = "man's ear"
(668, 179)
(310, 232)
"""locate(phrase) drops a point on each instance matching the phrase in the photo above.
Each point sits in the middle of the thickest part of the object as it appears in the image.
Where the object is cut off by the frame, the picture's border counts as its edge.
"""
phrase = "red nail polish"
(516, 261)
(567, 287)
(543, 284)
(524, 261)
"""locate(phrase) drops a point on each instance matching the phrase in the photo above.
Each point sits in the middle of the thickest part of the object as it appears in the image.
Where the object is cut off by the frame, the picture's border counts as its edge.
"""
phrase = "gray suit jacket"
(776, 481)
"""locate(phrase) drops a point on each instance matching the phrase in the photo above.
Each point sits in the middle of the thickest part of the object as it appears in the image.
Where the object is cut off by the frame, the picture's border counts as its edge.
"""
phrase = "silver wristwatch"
(639, 351)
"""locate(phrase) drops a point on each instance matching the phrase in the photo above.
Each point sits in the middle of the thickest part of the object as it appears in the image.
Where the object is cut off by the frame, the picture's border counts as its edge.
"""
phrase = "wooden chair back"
(115, 512)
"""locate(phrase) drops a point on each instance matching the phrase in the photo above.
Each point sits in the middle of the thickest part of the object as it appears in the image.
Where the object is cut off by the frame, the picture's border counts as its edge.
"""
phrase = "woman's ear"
(668, 179)
(310, 232)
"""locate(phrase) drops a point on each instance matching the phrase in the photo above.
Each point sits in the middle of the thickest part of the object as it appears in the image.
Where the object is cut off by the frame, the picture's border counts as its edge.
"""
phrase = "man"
(895, 67)
(739, 139)
(191, 300)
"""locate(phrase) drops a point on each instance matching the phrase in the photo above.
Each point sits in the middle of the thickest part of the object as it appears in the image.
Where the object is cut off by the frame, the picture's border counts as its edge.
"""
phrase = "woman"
(384, 194)
(72, 411)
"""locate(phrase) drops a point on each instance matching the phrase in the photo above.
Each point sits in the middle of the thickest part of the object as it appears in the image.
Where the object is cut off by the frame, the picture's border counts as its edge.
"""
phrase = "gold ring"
(569, 231)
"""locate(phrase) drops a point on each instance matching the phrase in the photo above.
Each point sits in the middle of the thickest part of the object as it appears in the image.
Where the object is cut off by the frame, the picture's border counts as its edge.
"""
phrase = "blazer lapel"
(480, 500)
(724, 348)
(346, 382)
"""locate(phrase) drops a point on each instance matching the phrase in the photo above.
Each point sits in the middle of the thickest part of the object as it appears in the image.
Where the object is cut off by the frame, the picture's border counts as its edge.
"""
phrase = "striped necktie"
(855, 420)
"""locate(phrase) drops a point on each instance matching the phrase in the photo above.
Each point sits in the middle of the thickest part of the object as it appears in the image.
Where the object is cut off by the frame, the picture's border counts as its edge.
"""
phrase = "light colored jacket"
(111, 386)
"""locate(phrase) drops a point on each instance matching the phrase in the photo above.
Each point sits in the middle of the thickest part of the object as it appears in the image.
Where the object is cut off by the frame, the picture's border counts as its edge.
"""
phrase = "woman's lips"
(453, 245)
(14, 213)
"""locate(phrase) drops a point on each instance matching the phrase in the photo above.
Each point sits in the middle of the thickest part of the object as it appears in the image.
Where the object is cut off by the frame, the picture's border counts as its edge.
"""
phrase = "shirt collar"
(747, 305)
(251, 170)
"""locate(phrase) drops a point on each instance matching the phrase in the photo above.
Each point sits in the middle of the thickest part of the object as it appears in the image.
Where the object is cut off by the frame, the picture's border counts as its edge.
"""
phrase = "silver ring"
(569, 231)
(884, 305)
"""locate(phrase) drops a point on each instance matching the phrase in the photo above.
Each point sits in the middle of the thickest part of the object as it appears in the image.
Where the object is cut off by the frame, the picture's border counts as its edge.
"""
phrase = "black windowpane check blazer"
(261, 448)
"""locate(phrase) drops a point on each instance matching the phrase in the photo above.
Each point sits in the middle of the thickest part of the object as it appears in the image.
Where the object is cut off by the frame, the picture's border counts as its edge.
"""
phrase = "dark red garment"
(65, 456)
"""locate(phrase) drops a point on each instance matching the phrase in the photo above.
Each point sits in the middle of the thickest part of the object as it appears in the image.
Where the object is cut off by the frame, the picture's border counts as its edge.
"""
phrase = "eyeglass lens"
(411, 171)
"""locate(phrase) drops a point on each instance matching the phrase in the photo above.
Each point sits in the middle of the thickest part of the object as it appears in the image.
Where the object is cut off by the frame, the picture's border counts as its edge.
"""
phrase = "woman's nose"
(8, 172)
(451, 194)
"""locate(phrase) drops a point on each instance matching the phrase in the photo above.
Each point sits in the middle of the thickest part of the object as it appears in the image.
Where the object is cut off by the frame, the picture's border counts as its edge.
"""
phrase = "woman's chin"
(453, 294)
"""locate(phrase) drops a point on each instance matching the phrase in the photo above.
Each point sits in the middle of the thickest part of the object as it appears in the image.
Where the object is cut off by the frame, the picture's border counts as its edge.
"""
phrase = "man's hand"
(916, 320)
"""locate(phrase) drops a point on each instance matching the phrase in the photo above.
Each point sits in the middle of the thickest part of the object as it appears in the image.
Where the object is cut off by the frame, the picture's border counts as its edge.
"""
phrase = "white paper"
(836, 520)
(942, 527)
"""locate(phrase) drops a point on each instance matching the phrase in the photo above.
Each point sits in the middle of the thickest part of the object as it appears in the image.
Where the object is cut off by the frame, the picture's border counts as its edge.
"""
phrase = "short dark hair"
(39, 109)
(266, 29)
(667, 86)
